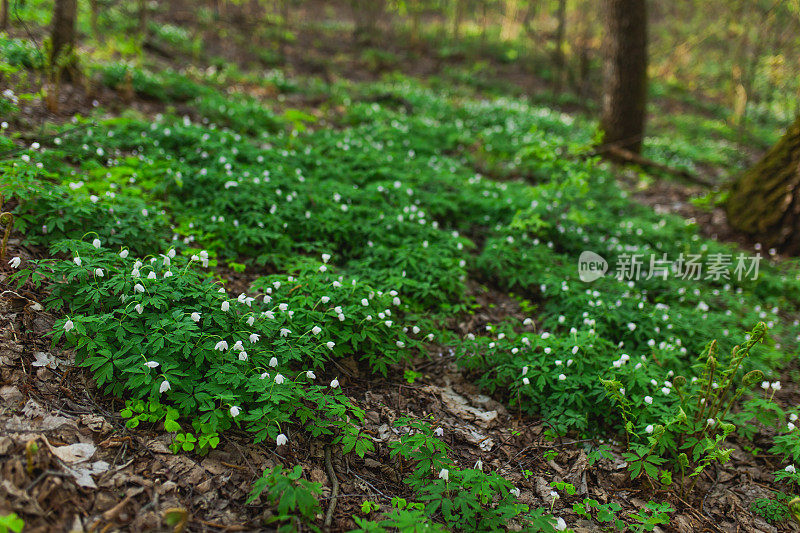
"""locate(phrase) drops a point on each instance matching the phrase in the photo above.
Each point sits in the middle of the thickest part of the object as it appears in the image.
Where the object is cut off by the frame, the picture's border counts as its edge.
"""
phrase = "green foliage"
(689, 431)
(176, 37)
(47, 212)
(395, 194)
(295, 498)
(404, 516)
(466, 499)
(415, 194)
(160, 331)
(653, 515)
(11, 523)
(21, 53)
(369, 506)
(787, 443)
(771, 510)
(788, 474)
(604, 514)
(598, 454)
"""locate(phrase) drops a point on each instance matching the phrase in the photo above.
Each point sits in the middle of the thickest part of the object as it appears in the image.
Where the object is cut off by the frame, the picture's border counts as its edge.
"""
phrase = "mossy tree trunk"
(765, 201)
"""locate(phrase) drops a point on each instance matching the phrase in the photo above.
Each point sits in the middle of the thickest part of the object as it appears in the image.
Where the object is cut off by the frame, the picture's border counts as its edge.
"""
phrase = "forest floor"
(69, 463)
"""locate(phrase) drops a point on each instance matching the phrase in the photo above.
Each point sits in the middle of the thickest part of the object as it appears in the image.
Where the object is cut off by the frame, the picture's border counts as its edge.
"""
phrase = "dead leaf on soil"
(73, 453)
(460, 406)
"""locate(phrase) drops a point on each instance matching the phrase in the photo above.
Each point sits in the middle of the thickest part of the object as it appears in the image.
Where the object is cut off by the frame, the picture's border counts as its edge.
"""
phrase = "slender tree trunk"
(62, 51)
(458, 15)
(765, 200)
(559, 59)
(142, 19)
(415, 24)
(4, 15)
(95, 11)
(62, 36)
(510, 12)
(484, 20)
(529, 24)
(584, 32)
(285, 13)
(625, 73)
(366, 14)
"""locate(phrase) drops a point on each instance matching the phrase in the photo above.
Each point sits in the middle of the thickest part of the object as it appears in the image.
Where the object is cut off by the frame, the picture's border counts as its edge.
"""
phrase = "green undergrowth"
(159, 327)
(361, 233)
(396, 196)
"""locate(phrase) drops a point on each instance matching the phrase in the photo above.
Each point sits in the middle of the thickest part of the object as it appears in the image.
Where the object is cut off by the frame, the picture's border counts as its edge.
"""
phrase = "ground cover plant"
(396, 197)
(252, 257)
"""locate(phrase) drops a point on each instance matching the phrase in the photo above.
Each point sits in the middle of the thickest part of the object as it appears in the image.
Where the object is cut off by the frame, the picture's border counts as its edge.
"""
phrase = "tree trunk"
(415, 25)
(95, 11)
(366, 14)
(509, 28)
(458, 15)
(143, 20)
(558, 56)
(624, 73)
(63, 32)
(765, 200)
(284, 39)
(4, 15)
(484, 21)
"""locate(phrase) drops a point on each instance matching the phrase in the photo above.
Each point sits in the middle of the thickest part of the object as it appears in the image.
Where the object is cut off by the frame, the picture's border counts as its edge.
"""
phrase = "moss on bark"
(765, 200)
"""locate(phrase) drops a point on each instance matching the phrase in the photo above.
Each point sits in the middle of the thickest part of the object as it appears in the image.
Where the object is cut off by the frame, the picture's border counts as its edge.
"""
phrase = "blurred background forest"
(734, 61)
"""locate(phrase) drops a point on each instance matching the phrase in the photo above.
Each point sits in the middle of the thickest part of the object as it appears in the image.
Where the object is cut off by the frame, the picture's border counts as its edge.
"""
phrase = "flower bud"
(751, 378)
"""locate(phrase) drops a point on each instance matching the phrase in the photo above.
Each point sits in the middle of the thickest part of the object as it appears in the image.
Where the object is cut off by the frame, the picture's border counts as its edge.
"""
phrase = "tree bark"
(624, 73)
(416, 38)
(284, 39)
(4, 15)
(142, 20)
(484, 21)
(458, 15)
(510, 13)
(95, 11)
(366, 14)
(63, 32)
(558, 56)
(765, 201)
